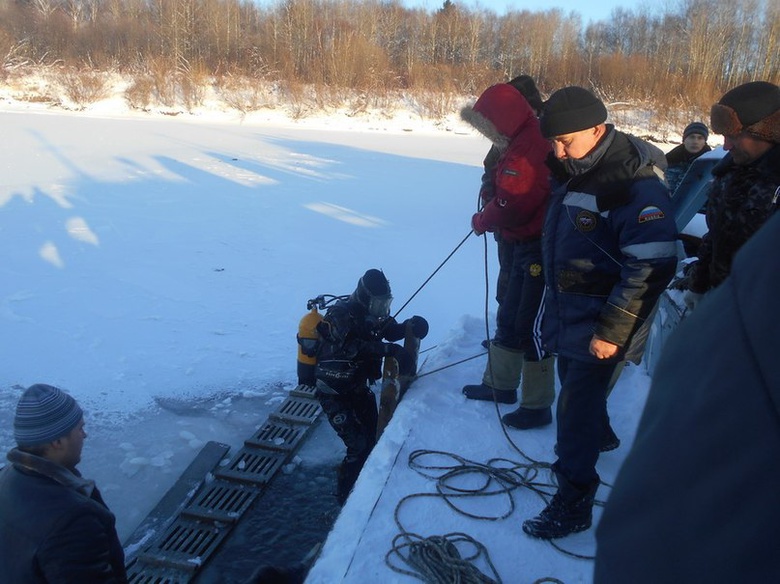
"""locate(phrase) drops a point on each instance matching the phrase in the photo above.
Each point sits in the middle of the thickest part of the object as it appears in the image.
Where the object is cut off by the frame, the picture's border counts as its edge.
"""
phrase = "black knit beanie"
(525, 85)
(753, 108)
(696, 128)
(571, 109)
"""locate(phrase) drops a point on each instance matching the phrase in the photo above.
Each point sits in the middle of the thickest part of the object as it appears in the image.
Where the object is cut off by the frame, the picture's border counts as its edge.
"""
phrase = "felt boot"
(485, 393)
(502, 374)
(537, 396)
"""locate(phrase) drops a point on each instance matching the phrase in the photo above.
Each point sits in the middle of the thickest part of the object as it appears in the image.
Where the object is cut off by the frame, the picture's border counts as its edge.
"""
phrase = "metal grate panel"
(277, 436)
(177, 553)
(185, 545)
(221, 501)
(304, 391)
(145, 574)
(297, 410)
(253, 465)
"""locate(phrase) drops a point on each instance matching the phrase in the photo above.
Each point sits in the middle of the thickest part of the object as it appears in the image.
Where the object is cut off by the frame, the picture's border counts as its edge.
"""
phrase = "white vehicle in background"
(688, 199)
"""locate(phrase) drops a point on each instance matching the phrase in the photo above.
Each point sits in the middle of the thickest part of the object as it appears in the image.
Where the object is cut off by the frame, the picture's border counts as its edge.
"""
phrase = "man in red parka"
(516, 210)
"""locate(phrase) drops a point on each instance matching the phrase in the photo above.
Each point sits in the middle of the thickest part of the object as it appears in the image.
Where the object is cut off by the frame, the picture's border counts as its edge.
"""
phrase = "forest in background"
(673, 62)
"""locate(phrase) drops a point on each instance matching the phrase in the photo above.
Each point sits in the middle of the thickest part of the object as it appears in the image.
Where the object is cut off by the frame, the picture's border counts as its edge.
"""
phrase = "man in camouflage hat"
(747, 181)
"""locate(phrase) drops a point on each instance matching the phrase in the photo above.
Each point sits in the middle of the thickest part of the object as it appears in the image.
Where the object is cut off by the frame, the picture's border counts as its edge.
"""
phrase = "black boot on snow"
(485, 393)
(561, 517)
(526, 418)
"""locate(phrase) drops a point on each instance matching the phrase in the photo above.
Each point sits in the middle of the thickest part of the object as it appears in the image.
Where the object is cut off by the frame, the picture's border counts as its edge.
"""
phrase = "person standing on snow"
(609, 250)
(487, 191)
(746, 188)
(516, 211)
(680, 158)
(54, 524)
(349, 359)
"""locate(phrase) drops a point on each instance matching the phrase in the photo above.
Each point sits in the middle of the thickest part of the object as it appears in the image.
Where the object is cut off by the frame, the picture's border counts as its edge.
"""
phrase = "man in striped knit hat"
(54, 525)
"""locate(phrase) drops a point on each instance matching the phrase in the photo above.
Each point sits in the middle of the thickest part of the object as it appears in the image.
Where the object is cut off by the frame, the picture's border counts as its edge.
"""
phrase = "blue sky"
(589, 9)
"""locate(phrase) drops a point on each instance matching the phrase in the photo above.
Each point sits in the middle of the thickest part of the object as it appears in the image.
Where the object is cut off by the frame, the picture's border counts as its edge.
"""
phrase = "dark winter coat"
(609, 248)
(351, 350)
(696, 498)
(55, 527)
(741, 200)
(519, 178)
(678, 161)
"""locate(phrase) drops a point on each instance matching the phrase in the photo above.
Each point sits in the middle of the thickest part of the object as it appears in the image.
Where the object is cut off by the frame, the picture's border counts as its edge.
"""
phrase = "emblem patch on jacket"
(535, 270)
(586, 221)
(650, 213)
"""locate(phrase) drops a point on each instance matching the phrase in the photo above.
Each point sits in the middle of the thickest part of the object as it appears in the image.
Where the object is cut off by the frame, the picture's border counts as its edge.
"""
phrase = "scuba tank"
(308, 345)
(309, 338)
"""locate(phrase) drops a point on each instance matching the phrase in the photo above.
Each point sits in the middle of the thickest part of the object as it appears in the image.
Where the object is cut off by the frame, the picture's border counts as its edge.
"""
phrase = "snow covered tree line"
(676, 59)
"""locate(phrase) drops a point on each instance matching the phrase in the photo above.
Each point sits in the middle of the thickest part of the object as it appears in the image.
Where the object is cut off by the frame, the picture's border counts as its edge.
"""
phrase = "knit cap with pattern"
(43, 414)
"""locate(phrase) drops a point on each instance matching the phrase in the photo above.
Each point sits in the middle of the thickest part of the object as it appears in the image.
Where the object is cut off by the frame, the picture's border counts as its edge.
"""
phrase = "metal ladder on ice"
(201, 509)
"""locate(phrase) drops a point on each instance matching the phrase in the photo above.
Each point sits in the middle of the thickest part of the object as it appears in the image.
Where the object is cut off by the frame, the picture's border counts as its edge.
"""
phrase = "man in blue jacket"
(609, 250)
(54, 525)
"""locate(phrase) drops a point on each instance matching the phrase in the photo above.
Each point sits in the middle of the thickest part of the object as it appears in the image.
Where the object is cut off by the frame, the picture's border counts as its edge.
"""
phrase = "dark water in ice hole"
(294, 514)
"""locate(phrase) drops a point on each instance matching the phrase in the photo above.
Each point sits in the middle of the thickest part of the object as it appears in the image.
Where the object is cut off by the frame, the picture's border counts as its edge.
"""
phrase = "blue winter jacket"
(609, 248)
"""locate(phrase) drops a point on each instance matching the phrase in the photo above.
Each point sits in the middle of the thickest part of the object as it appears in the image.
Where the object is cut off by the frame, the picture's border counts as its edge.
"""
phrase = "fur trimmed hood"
(499, 114)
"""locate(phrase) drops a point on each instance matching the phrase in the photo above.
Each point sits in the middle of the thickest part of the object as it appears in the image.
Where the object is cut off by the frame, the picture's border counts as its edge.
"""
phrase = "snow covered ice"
(156, 268)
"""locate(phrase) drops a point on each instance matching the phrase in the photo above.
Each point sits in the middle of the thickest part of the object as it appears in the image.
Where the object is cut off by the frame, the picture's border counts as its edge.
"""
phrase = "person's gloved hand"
(692, 299)
(419, 326)
(478, 224)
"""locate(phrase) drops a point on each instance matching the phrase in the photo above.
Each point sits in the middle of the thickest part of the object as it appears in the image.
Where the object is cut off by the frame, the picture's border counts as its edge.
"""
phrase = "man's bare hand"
(602, 349)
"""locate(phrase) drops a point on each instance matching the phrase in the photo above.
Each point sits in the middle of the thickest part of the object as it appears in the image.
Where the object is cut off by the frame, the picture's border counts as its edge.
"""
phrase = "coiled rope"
(450, 558)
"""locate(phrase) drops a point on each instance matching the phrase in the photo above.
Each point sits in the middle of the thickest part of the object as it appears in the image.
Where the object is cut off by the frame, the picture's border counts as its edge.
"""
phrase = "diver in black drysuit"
(349, 359)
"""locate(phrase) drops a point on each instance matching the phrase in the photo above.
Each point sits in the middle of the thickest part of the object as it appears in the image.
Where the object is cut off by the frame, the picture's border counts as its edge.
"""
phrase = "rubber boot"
(537, 396)
(502, 373)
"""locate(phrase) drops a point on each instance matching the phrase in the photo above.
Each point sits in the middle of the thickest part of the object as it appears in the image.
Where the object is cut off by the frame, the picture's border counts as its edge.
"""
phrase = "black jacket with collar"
(55, 526)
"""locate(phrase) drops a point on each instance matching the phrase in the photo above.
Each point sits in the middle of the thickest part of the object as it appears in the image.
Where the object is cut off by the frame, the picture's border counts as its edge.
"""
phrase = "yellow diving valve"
(308, 344)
